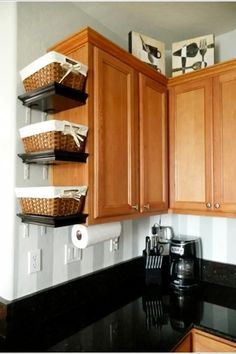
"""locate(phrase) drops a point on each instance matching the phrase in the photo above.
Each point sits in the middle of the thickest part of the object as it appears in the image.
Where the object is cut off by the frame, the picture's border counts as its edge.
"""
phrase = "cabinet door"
(225, 142)
(204, 342)
(153, 146)
(191, 146)
(115, 137)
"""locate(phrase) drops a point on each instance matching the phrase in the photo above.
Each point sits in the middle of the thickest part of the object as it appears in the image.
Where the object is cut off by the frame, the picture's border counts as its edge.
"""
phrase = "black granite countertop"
(126, 315)
(154, 322)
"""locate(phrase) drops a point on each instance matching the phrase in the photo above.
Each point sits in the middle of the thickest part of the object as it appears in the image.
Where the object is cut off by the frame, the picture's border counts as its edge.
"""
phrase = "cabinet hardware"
(135, 207)
(146, 207)
(217, 205)
(208, 205)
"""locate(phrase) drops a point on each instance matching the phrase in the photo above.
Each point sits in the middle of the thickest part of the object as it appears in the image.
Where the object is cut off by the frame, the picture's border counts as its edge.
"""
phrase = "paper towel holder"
(114, 243)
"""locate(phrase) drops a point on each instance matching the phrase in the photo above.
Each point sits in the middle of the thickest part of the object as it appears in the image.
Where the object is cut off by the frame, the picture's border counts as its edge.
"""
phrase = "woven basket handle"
(71, 193)
(74, 68)
(71, 131)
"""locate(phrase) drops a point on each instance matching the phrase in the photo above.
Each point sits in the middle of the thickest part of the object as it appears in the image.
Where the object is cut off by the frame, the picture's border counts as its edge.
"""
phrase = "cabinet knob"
(217, 205)
(208, 205)
(146, 207)
(135, 206)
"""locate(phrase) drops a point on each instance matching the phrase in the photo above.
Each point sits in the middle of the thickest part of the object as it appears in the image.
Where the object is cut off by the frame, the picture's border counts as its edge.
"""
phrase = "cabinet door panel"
(153, 146)
(115, 137)
(205, 343)
(225, 142)
(191, 145)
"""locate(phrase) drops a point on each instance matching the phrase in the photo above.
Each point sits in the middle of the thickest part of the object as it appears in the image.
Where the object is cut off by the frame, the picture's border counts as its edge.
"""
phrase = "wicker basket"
(54, 67)
(51, 206)
(54, 135)
(56, 206)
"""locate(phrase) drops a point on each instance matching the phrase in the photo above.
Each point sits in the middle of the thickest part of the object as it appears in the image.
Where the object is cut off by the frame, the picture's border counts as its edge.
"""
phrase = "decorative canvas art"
(148, 50)
(192, 54)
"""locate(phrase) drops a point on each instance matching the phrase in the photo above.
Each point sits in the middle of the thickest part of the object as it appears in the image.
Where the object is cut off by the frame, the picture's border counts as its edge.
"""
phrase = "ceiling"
(165, 21)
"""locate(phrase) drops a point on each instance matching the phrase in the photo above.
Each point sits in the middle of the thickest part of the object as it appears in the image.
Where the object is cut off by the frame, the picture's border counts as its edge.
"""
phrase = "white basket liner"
(50, 192)
(52, 57)
(52, 125)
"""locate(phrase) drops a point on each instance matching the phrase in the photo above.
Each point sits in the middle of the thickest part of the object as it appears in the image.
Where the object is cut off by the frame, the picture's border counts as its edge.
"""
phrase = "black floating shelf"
(53, 98)
(51, 157)
(53, 221)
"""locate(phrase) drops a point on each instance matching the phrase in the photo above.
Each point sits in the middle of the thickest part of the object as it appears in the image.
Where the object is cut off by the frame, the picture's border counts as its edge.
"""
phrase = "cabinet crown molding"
(212, 70)
(88, 35)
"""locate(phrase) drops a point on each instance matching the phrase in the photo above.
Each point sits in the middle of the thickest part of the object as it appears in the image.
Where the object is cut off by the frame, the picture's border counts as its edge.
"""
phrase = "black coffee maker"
(185, 262)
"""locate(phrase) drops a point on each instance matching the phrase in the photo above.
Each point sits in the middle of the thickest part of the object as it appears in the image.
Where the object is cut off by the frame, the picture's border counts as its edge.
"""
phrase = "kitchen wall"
(7, 145)
(217, 234)
(40, 25)
(225, 47)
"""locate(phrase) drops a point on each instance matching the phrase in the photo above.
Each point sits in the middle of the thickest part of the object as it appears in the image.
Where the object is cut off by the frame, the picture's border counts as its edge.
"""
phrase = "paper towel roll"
(84, 236)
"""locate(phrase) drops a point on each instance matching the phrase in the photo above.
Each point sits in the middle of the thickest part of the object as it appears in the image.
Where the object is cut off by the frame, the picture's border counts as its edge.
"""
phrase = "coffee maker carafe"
(185, 262)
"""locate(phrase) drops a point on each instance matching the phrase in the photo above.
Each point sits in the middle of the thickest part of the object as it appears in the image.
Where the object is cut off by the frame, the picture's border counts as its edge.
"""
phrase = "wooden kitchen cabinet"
(153, 146)
(201, 341)
(123, 136)
(190, 142)
(126, 171)
(205, 342)
(115, 137)
(185, 346)
(202, 141)
(224, 141)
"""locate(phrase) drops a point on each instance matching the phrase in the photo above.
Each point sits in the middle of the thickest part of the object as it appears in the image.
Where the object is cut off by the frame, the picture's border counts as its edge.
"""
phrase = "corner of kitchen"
(119, 195)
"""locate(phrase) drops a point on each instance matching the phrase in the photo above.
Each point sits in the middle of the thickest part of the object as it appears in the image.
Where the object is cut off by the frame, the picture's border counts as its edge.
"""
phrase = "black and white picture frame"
(192, 54)
(148, 50)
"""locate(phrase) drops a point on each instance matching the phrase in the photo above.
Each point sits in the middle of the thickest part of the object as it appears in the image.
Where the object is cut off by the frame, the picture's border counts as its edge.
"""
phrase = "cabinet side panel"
(78, 173)
(185, 346)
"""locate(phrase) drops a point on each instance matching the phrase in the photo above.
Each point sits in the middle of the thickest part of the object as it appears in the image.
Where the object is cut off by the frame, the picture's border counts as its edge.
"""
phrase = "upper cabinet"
(126, 171)
(202, 141)
(126, 113)
(225, 141)
(191, 145)
(115, 137)
(153, 145)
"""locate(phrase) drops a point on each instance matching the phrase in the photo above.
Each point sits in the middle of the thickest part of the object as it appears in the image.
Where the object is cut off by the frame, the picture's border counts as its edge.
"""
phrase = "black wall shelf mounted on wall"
(53, 221)
(53, 98)
(51, 157)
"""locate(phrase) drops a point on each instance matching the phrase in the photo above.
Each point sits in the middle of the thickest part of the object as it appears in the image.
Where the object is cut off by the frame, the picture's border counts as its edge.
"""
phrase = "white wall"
(40, 25)
(7, 146)
(225, 46)
(218, 234)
